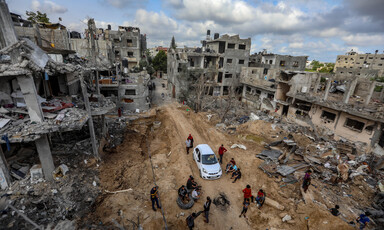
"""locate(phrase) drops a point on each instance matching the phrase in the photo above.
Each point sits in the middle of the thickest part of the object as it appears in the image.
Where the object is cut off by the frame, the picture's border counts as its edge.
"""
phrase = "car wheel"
(183, 205)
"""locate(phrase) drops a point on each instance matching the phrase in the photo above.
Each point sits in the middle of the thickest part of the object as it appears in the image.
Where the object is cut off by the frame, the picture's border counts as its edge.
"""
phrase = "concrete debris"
(342, 169)
(358, 171)
(286, 218)
(221, 126)
(36, 173)
(238, 146)
(269, 154)
(209, 116)
(274, 204)
(253, 117)
(60, 172)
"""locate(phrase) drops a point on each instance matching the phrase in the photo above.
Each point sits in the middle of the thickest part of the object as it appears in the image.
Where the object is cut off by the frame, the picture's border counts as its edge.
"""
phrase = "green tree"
(37, 17)
(144, 64)
(173, 43)
(159, 62)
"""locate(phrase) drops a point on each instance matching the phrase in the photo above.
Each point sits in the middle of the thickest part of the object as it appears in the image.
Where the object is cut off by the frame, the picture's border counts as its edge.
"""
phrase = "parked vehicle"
(207, 162)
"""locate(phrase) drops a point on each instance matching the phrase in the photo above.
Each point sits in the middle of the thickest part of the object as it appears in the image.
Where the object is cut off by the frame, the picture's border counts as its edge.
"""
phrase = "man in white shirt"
(196, 194)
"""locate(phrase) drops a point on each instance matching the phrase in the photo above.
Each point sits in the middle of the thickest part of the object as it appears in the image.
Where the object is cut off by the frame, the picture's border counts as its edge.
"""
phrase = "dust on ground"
(129, 167)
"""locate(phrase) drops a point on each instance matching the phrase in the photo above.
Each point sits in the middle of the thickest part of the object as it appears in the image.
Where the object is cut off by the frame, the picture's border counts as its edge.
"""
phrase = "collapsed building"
(41, 96)
(339, 107)
(259, 78)
(219, 61)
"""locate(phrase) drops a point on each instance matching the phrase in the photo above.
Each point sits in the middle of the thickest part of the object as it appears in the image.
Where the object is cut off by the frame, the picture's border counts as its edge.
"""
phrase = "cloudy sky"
(320, 29)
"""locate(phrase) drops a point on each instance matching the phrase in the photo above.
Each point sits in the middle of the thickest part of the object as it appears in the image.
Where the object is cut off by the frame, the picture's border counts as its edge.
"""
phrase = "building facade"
(364, 65)
(219, 60)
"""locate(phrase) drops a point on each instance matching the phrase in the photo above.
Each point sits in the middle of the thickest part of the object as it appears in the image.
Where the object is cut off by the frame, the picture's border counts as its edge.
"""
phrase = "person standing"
(207, 206)
(188, 144)
(191, 219)
(248, 193)
(245, 208)
(307, 180)
(155, 198)
(222, 150)
(190, 138)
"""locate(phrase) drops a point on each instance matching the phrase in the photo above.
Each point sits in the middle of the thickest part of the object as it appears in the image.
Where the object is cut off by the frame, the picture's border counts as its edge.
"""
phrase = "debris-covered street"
(129, 168)
(145, 118)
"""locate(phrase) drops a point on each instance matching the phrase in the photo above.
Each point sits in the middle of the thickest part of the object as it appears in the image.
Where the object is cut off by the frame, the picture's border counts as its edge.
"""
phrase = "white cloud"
(125, 3)
(48, 7)
(296, 45)
(364, 39)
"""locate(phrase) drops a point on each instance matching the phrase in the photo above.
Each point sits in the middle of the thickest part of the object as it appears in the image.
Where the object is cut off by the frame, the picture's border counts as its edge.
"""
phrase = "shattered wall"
(135, 94)
(83, 47)
(59, 38)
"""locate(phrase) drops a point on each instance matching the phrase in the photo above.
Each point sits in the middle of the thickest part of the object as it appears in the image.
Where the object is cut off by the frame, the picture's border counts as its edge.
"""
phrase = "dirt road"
(129, 167)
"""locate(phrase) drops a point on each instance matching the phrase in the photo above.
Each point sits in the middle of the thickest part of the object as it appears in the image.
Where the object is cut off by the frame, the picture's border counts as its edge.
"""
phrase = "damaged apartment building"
(219, 61)
(123, 48)
(337, 106)
(258, 79)
(44, 94)
(363, 65)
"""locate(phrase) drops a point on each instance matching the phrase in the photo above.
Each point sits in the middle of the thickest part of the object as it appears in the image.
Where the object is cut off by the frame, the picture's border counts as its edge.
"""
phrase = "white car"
(207, 162)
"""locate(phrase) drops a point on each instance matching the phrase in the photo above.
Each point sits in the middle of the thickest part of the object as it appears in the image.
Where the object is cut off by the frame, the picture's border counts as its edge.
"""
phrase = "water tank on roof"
(204, 43)
(216, 36)
(109, 27)
(208, 32)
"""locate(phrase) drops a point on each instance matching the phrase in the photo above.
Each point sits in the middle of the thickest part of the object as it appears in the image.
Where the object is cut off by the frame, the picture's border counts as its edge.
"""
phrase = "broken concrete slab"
(274, 204)
(269, 154)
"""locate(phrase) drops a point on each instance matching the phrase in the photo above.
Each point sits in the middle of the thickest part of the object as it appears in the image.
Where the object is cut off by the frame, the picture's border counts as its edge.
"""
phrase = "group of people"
(248, 198)
(191, 188)
(234, 170)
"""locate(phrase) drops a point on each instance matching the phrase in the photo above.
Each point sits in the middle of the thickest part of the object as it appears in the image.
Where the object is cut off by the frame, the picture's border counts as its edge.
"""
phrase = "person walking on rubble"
(307, 180)
(155, 198)
(363, 220)
(245, 207)
(222, 150)
(207, 206)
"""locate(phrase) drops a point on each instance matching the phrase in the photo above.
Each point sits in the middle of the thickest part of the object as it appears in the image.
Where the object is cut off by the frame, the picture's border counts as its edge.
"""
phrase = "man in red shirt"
(222, 150)
(248, 193)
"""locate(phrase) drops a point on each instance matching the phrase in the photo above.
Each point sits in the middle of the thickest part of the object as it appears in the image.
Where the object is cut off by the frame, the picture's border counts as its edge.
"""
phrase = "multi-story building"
(259, 79)
(277, 61)
(127, 44)
(364, 65)
(219, 60)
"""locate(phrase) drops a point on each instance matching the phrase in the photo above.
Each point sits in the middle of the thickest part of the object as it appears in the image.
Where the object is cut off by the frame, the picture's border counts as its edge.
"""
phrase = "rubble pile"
(343, 174)
(67, 198)
(116, 130)
(19, 128)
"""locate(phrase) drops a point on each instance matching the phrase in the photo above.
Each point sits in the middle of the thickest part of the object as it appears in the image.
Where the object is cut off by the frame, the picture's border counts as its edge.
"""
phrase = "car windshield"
(209, 159)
